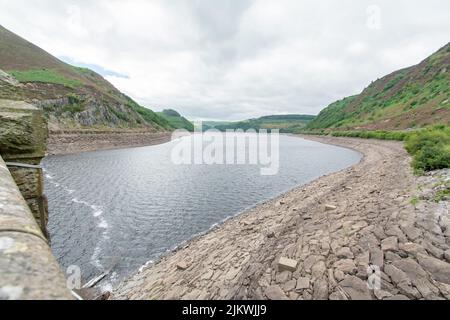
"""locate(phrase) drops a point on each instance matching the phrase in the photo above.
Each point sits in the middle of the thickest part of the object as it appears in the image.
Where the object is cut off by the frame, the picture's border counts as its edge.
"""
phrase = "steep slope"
(72, 97)
(410, 98)
(176, 120)
(285, 123)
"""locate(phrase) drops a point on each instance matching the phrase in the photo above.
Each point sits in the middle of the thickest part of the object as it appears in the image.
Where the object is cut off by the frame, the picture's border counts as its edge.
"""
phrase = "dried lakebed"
(116, 210)
(317, 241)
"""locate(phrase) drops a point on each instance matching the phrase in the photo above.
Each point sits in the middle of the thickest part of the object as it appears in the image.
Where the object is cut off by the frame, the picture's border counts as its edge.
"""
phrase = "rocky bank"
(68, 142)
(317, 241)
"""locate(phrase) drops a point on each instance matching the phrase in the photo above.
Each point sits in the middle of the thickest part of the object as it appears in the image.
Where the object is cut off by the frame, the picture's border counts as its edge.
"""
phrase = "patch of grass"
(45, 76)
(442, 195)
(414, 201)
(176, 120)
(382, 135)
(147, 114)
(119, 114)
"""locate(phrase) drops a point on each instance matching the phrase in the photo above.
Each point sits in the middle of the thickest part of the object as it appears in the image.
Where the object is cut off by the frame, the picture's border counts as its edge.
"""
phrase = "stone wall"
(28, 270)
(23, 139)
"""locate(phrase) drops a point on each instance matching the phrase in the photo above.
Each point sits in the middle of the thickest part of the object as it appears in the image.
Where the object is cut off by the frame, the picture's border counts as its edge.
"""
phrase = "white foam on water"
(103, 224)
(97, 212)
(146, 265)
(95, 258)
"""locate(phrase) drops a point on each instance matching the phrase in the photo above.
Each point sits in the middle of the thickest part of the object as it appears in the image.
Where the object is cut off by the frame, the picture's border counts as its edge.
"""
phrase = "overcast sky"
(235, 59)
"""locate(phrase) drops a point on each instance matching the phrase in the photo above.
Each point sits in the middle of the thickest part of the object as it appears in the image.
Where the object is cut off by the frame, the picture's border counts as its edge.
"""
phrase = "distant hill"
(410, 98)
(285, 123)
(176, 120)
(72, 97)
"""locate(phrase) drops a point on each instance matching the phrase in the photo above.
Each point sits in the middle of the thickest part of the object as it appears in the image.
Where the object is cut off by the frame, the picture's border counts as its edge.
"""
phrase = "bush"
(430, 148)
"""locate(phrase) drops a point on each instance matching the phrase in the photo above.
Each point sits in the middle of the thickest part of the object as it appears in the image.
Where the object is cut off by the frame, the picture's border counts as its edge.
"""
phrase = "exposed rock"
(283, 276)
(436, 252)
(447, 255)
(5, 77)
(320, 290)
(397, 297)
(302, 283)
(395, 230)
(182, 265)
(289, 285)
(439, 269)
(271, 235)
(318, 270)
(412, 269)
(356, 288)
(338, 295)
(310, 261)
(346, 266)
(330, 207)
(409, 290)
(287, 264)
(412, 248)
(391, 256)
(390, 243)
(339, 275)
(275, 293)
(381, 294)
(377, 257)
(332, 249)
(344, 253)
(397, 275)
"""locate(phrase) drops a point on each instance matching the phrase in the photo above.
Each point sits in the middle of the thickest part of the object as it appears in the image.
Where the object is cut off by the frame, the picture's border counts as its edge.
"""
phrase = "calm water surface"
(122, 208)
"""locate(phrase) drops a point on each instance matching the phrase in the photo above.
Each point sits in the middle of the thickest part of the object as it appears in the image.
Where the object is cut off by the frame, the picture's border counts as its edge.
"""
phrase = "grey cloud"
(239, 58)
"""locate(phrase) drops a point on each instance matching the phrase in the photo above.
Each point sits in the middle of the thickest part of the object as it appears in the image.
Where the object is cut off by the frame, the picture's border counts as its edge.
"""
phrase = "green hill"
(284, 123)
(71, 97)
(176, 120)
(414, 97)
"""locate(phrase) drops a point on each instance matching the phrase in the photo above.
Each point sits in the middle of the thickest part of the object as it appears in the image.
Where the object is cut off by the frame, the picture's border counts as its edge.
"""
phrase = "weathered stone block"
(390, 243)
(287, 264)
(23, 131)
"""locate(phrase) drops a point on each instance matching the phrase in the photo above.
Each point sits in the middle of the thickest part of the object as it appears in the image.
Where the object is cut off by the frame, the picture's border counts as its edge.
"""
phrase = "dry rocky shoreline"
(68, 142)
(317, 241)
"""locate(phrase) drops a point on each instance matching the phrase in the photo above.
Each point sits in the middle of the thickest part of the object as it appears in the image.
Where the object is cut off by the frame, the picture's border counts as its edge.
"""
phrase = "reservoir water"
(119, 209)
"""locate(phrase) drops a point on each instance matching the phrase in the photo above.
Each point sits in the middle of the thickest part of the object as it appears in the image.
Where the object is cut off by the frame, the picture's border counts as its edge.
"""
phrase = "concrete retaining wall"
(28, 269)
(23, 140)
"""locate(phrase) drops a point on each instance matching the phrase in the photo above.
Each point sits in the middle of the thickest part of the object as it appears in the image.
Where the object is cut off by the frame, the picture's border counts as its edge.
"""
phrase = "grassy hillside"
(72, 97)
(176, 120)
(414, 97)
(284, 123)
